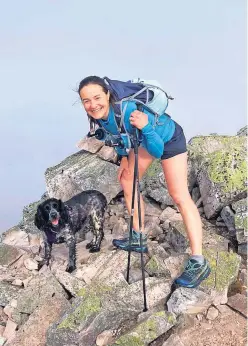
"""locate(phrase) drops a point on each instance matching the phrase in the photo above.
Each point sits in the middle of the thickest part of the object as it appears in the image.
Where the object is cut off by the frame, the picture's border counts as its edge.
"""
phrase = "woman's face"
(95, 101)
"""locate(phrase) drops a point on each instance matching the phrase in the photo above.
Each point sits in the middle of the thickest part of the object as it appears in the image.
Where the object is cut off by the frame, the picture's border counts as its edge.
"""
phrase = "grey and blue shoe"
(194, 273)
(123, 243)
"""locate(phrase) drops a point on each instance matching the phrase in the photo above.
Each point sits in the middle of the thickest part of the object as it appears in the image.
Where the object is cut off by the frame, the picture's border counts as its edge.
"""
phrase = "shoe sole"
(197, 283)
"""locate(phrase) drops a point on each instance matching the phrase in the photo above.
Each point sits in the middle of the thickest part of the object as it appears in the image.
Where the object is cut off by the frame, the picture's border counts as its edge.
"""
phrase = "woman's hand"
(138, 119)
(123, 167)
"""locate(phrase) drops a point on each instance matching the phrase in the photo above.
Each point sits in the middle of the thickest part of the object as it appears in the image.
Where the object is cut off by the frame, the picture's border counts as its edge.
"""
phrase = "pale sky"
(196, 49)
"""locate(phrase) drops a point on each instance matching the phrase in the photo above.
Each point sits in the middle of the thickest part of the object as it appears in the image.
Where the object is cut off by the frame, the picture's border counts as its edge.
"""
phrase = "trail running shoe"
(194, 273)
(123, 244)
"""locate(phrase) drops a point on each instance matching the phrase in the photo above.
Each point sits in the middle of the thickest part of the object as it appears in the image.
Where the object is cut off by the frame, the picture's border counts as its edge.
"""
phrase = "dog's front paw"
(70, 268)
(42, 263)
(95, 248)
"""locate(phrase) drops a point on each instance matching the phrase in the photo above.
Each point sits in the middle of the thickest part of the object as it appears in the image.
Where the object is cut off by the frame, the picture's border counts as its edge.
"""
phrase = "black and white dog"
(60, 221)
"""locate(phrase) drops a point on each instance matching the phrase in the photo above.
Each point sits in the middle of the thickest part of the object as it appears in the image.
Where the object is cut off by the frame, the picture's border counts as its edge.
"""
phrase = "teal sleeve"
(154, 143)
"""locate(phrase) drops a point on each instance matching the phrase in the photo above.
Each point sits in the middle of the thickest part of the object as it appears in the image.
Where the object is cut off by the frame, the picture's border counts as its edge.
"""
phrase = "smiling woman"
(165, 140)
(95, 98)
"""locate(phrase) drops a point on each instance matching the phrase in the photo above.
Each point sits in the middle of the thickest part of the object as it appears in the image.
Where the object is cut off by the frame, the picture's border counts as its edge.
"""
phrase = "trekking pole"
(136, 188)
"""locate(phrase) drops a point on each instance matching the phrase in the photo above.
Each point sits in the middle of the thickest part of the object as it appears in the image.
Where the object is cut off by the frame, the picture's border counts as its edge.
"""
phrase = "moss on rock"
(89, 307)
(224, 269)
(148, 330)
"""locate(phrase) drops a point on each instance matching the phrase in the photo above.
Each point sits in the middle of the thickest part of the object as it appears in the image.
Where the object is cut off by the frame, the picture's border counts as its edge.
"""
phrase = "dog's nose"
(53, 215)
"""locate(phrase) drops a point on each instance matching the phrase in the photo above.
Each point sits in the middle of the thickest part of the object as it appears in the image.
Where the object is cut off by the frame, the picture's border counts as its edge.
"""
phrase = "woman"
(165, 140)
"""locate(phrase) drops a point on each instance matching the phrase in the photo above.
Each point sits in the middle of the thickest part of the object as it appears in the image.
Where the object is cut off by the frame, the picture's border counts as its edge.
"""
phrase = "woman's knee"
(181, 198)
(126, 182)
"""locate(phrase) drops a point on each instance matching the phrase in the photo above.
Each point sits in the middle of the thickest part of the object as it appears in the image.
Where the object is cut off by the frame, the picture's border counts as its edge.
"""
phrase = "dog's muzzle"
(54, 217)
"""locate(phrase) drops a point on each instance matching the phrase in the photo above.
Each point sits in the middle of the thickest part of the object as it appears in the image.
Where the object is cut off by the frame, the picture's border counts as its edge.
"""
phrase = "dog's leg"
(71, 243)
(97, 219)
(48, 250)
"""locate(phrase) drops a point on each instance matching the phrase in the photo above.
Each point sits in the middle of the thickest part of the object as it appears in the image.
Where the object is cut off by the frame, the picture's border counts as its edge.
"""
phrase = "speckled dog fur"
(60, 222)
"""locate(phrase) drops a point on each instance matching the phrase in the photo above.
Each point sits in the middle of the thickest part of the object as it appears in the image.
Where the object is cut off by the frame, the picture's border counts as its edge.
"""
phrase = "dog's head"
(51, 212)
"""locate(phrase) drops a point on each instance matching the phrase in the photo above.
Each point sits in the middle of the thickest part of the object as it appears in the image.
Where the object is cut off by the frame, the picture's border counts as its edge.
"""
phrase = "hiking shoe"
(123, 244)
(193, 274)
(117, 242)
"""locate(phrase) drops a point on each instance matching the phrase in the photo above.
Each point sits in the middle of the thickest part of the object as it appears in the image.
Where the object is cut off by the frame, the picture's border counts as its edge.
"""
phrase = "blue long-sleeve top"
(153, 136)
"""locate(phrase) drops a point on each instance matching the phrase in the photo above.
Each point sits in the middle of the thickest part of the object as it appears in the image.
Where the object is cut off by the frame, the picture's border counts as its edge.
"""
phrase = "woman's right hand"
(123, 167)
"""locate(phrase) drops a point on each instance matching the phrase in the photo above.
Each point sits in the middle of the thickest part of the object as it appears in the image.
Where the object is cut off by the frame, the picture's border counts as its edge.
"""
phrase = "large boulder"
(79, 172)
(221, 168)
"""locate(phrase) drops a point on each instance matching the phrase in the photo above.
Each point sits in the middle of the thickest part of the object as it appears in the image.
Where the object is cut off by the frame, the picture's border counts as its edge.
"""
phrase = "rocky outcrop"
(95, 305)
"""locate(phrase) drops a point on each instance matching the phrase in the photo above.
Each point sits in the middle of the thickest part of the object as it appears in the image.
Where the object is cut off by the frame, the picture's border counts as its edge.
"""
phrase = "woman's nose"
(93, 104)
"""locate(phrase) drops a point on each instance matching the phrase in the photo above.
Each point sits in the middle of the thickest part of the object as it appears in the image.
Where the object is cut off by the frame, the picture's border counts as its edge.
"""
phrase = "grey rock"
(188, 301)
(228, 216)
(79, 172)
(243, 131)
(221, 167)
(7, 293)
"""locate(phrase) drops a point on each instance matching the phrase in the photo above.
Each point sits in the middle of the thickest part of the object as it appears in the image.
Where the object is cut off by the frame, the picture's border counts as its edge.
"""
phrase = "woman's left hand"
(138, 119)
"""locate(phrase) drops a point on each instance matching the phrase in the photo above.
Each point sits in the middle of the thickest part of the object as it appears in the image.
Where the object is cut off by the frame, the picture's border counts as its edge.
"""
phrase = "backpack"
(145, 93)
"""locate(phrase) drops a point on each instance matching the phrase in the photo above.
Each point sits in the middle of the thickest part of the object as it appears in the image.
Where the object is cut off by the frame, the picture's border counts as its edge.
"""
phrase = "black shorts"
(176, 145)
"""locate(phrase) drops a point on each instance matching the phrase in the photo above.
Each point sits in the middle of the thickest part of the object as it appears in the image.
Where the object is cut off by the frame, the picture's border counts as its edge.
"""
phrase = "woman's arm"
(154, 143)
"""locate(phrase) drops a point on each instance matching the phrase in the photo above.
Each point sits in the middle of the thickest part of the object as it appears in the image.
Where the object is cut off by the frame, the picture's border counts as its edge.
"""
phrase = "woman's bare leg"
(144, 161)
(175, 172)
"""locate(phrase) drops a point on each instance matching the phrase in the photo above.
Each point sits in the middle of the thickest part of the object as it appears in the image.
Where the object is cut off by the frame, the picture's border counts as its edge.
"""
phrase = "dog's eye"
(47, 207)
(55, 205)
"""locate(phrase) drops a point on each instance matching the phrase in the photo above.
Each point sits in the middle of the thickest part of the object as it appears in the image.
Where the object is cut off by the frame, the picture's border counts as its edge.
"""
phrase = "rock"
(224, 269)
(221, 170)
(188, 301)
(2, 340)
(101, 308)
(90, 144)
(175, 264)
(7, 293)
(9, 254)
(31, 264)
(10, 329)
(177, 237)
(71, 283)
(238, 302)
(228, 216)
(167, 213)
(79, 172)
(15, 237)
(173, 340)
(243, 131)
(105, 338)
(108, 154)
(135, 274)
(240, 220)
(145, 332)
(39, 290)
(212, 313)
(196, 195)
(156, 267)
(33, 332)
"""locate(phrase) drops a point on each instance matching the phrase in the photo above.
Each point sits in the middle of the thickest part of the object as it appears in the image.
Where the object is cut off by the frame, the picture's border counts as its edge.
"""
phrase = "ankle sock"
(198, 258)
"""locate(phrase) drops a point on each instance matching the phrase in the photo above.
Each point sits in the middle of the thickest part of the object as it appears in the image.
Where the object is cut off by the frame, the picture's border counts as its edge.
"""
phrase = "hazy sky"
(196, 49)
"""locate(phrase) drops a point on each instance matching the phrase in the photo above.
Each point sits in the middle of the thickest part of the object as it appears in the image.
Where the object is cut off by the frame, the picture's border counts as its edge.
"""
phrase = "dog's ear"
(63, 211)
(38, 218)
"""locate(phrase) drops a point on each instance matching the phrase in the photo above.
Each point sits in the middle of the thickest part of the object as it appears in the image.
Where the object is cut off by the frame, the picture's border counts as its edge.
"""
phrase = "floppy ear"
(38, 218)
(63, 211)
